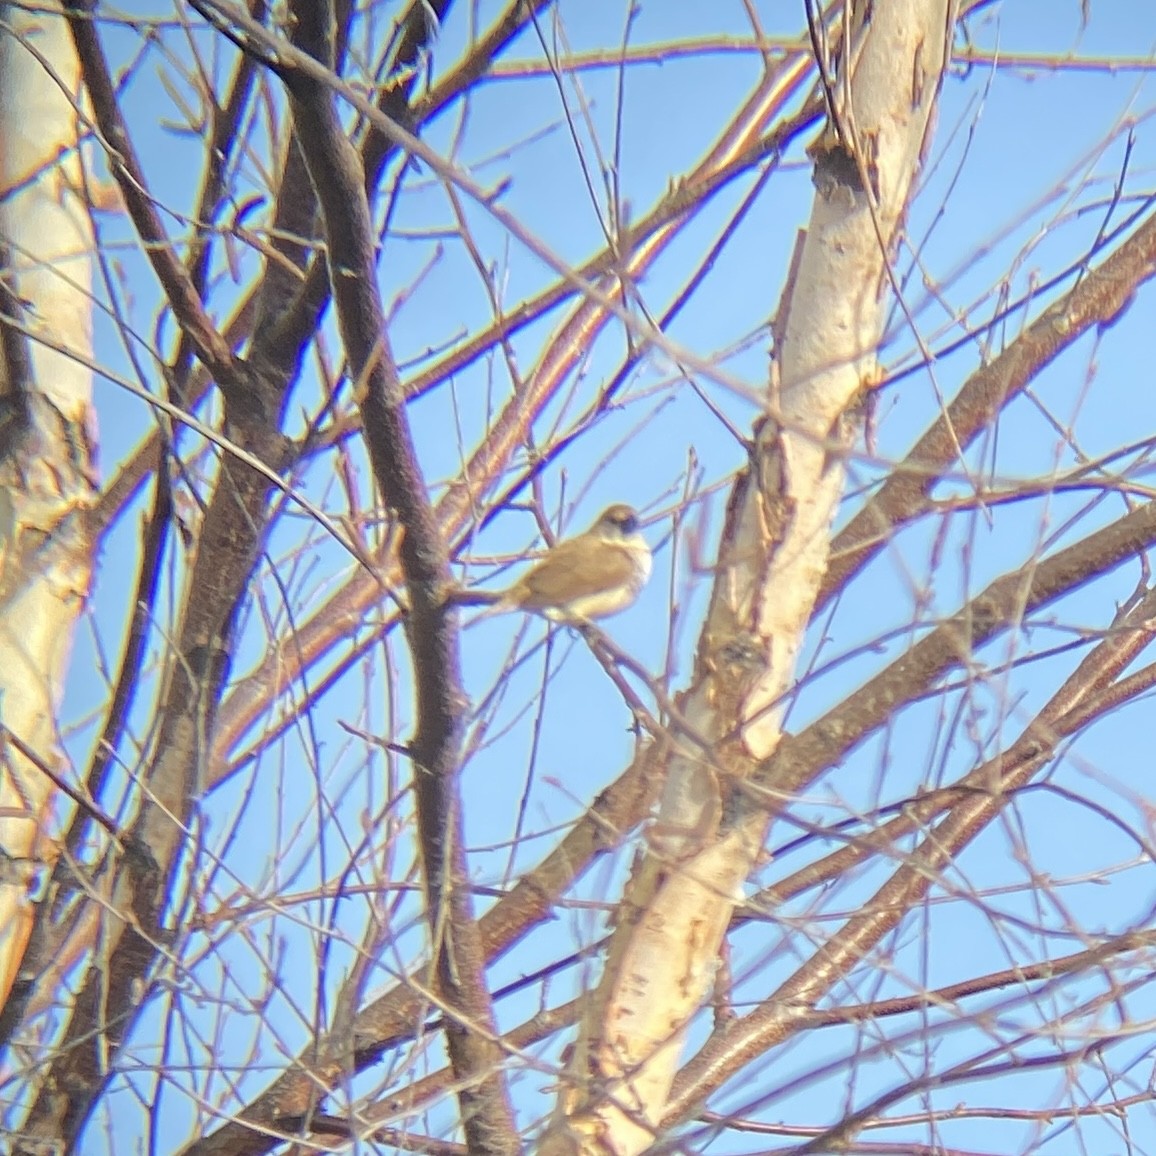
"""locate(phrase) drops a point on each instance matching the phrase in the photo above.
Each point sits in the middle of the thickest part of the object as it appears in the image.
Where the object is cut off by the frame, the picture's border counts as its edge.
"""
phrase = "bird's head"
(618, 521)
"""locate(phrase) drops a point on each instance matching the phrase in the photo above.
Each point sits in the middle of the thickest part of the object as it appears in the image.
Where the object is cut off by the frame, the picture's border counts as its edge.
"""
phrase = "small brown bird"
(592, 575)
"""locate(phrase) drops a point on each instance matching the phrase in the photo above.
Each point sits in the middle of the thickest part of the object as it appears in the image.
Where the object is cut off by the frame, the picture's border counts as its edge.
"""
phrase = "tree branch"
(430, 625)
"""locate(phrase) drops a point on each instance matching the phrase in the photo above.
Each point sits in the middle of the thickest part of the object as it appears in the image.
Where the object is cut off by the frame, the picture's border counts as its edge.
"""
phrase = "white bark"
(45, 442)
(665, 947)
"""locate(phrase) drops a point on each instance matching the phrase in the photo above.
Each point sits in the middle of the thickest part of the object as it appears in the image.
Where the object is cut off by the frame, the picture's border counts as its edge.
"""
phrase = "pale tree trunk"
(46, 442)
(883, 83)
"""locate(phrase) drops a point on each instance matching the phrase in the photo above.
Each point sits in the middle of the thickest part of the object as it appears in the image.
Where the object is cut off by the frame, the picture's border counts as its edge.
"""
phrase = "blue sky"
(1019, 181)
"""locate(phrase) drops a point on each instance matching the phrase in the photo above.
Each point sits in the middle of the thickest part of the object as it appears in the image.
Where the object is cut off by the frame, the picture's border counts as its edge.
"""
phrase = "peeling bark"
(47, 436)
(774, 554)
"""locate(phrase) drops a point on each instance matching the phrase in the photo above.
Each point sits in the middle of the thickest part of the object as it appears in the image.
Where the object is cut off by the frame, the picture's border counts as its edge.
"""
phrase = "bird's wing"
(574, 567)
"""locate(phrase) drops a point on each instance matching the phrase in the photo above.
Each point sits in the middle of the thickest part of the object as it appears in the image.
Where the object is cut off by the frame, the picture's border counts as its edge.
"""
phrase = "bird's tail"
(494, 601)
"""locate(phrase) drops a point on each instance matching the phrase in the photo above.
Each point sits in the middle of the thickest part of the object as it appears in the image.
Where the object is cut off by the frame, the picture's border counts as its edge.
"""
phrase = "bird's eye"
(628, 523)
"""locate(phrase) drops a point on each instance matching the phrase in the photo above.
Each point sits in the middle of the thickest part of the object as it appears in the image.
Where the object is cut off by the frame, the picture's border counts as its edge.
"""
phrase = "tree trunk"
(46, 442)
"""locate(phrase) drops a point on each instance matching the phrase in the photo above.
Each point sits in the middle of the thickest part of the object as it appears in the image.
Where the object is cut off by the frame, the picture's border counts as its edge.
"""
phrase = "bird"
(592, 575)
